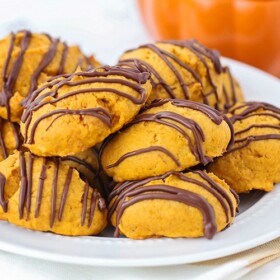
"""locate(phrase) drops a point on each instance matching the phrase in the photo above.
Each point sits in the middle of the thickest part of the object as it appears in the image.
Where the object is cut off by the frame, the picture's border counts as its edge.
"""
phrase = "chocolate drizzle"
(81, 162)
(42, 178)
(131, 192)
(3, 202)
(46, 60)
(15, 129)
(253, 109)
(170, 60)
(65, 192)
(84, 209)
(25, 192)
(176, 122)
(229, 95)
(54, 191)
(100, 75)
(23, 184)
(9, 79)
(29, 185)
(145, 150)
(63, 59)
(95, 199)
(2, 143)
(99, 113)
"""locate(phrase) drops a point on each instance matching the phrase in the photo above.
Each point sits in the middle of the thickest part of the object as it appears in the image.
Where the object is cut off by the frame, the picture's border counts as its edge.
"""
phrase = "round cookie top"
(46, 195)
(72, 113)
(28, 59)
(253, 161)
(181, 70)
(170, 134)
(174, 205)
(254, 121)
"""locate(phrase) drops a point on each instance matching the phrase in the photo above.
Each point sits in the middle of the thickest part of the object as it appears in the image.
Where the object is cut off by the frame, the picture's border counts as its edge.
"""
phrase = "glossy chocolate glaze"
(16, 134)
(3, 202)
(9, 78)
(99, 113)
(230, 96)
(252, 109)
(25, 193)
(131, 192)
(81, 162)
(142, 151)
(170, 60)
(175, 121)
(103, 75)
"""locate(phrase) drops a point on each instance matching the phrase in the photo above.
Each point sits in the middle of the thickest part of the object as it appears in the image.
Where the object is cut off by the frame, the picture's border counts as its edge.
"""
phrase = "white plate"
(257, 223)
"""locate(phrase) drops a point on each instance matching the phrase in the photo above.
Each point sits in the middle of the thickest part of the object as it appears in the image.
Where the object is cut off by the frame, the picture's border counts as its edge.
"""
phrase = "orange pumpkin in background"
(246, 30)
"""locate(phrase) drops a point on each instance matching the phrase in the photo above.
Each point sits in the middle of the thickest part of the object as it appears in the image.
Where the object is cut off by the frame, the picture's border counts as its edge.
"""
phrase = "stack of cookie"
(159, 127)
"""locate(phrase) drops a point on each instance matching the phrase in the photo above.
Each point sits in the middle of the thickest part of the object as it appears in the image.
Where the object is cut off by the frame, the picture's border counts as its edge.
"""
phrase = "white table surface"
(105, 28)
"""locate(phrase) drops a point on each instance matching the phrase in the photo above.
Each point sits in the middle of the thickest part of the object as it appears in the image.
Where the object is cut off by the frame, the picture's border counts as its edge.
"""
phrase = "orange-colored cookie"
(28, 59)
(46, 195)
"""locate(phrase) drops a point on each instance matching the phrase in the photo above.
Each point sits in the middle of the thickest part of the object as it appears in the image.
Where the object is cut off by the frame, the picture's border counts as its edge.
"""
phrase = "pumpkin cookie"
(170, 135)
(72, 113)
(46, 195)
(28, 59)
(253, 161)
(181, 70)
(175, 204)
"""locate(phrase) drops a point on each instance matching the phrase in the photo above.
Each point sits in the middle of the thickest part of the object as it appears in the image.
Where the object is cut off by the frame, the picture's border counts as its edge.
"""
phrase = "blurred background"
(246, 30)
(103, 27)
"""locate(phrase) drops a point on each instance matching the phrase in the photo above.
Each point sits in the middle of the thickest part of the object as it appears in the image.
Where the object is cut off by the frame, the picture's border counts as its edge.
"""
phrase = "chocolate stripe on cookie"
(54, 191)
(99, 75)
(142, 151)
(3, 202)
(254, 109)
(42, 178)
(26, 169)
(79, 161)
(23, 184)
(3, 139)
(99, 113)
(176, 122)
(230, 96)
(9, 80)
(163, 117)
(96, 199)
(29, 185)
(169, 59)
(131, 192)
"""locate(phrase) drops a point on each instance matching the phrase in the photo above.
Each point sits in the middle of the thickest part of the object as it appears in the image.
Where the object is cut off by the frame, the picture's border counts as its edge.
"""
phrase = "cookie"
(72, 113)
(10, 138)
(175, 204)
(181, 70)
(253, 161)
(169, 135)
(232, 92)
(28, 59)
(46, 195)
